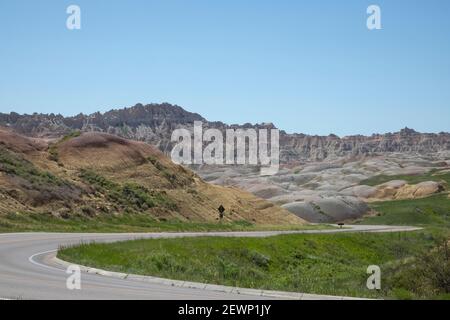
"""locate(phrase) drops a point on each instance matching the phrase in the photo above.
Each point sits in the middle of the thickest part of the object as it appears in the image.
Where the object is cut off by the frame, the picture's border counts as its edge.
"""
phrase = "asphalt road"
(27, 270)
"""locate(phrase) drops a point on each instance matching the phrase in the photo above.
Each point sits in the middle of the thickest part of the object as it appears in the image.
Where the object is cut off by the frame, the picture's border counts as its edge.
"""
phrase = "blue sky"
(307, 66)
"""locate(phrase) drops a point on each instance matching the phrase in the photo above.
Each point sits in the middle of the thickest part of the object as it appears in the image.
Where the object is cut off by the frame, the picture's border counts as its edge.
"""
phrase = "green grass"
(15, 165)
(67, 137)
(53, 148)
(432, 175)
(45, 222)
(433, 211)
(428, 275)
(169, 175)
(332, 264)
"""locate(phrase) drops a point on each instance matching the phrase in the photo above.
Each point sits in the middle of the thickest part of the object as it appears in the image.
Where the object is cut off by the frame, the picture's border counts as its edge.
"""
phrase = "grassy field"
(333, 264)
(432, 175)
(433, 211)
(25, 222)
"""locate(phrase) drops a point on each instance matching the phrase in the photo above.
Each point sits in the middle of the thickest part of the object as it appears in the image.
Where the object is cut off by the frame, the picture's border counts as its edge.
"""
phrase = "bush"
(12, 164)
(259, 259)
(53, 153)
(156, 163)
(138, 195)
(132, 196)
(425, 276)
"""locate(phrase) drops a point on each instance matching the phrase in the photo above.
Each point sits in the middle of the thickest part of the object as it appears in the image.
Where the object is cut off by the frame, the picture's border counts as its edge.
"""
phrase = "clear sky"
(307, 66)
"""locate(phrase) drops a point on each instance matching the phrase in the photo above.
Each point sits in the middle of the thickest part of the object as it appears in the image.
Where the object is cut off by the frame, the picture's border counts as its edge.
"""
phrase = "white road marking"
(31, 259)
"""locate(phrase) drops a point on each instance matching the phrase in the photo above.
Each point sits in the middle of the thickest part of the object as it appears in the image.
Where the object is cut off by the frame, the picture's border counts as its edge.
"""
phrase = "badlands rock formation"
(320, 176)
(395, 190)
(331, 190)
(154, 124)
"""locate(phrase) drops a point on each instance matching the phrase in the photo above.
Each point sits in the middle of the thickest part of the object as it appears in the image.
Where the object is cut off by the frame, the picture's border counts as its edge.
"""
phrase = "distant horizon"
(226, 123)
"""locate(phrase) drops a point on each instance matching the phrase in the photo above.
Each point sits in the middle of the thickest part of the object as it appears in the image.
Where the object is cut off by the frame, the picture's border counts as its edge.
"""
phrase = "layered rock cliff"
(154, 124)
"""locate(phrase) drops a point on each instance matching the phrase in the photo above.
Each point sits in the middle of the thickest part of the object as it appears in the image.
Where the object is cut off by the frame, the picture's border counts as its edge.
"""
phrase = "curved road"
(28, 269)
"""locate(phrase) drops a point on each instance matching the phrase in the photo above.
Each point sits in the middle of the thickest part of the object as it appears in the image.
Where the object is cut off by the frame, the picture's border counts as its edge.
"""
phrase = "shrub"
(132, 196)
(259, 259)
(426, 275)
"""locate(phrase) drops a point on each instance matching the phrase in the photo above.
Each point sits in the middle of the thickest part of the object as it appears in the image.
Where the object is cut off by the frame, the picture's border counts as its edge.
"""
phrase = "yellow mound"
(399, 189)
(100, 150)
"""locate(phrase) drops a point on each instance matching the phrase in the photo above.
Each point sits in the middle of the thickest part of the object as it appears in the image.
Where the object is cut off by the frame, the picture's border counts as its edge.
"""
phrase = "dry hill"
(93, 174)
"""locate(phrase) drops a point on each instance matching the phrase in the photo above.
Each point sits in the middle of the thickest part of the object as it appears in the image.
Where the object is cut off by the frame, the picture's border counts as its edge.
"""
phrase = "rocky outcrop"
(299, 146)
(330, 209)
(154, 124)
(395, 190)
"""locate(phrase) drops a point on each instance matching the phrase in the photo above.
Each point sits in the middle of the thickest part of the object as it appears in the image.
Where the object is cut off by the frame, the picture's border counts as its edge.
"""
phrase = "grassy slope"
(326, 264)
(433, 211)
(41, 222)
(432, 175)
(133, 189)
